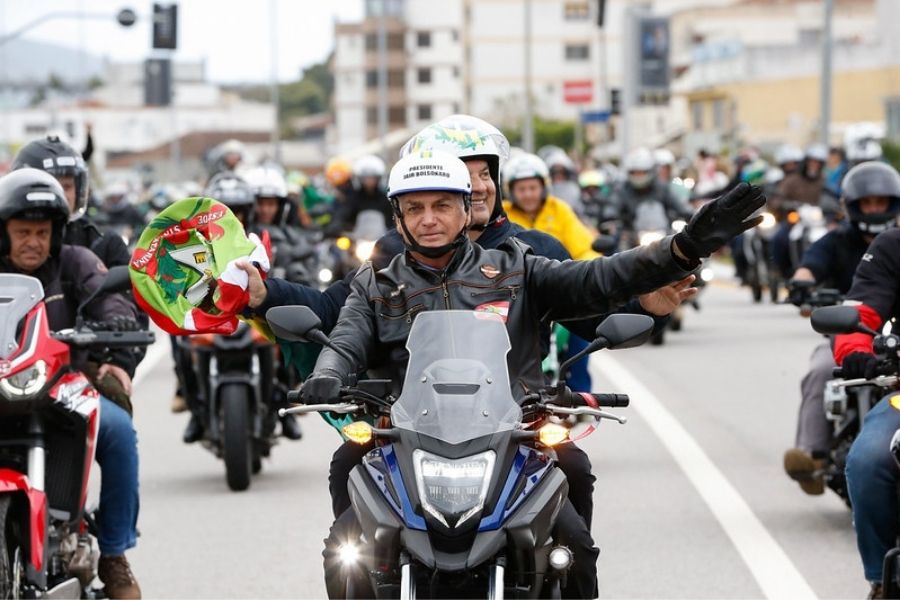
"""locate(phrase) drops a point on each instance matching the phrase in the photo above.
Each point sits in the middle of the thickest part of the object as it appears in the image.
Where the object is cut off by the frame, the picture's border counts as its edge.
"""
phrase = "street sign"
(578, 92)
(595, 116)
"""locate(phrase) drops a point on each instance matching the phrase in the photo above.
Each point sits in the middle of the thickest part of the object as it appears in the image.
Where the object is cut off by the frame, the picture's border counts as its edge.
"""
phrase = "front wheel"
(236, 439)
(11, 566)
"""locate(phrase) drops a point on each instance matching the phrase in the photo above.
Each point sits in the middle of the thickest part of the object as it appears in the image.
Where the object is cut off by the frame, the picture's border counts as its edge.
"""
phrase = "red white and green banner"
(184, 271)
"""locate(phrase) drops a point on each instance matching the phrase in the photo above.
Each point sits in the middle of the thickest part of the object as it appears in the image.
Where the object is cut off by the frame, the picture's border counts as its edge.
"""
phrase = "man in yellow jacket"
(531, 206)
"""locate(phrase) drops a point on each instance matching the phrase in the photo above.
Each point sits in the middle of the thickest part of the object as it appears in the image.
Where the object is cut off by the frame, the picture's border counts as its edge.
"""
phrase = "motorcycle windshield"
(457, 386)
(370, 225)
(650, 215)
(18, 295)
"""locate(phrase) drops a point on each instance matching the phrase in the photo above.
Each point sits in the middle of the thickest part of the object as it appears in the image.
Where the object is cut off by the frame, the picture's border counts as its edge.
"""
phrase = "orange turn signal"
(552, 434)
(358, 432)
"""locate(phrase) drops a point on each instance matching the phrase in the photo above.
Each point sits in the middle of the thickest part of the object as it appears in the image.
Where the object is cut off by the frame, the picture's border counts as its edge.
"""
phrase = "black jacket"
(877, 280)
(833, 258)
(108, 246)
(70, 278)
(375, 321)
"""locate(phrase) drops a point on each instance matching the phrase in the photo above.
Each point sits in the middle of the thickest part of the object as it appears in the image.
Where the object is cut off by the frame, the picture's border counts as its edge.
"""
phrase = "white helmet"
(465, 137)
(266, 182)
(863, 150)
(429, 172)
(368, 166)
(816, 152)
(560, 159)
(787, 154)
(663, 157)
(526, 166)
(639, 159)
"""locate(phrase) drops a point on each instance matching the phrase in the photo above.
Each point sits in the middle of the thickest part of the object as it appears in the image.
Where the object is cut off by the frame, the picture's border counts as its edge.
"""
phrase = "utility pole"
(382, 81)
(825, 83)
(275, 137)
(528, 125)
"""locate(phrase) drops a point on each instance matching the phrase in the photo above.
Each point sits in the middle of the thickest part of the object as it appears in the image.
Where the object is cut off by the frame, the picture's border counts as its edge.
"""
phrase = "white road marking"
(767, 561)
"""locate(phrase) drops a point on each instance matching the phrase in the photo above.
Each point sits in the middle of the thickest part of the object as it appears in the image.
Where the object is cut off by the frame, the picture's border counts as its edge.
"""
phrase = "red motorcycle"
(49, 419)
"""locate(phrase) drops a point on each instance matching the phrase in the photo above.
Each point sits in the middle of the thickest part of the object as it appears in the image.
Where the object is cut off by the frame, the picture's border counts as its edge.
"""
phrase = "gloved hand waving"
(719, 221)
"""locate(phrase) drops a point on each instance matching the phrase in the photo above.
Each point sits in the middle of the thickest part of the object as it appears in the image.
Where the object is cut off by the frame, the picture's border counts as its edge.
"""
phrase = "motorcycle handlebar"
(604, 400)
(106, 339)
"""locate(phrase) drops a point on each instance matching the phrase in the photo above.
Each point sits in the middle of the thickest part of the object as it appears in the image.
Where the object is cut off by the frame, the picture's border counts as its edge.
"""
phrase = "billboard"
(653, 57)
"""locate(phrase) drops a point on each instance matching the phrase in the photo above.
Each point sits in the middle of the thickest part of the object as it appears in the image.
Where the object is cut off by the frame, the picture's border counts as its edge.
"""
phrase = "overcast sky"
(233, 35)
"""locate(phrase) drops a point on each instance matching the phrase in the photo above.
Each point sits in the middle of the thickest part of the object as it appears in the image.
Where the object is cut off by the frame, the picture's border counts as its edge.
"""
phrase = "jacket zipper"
(446, 293)
(511, 289)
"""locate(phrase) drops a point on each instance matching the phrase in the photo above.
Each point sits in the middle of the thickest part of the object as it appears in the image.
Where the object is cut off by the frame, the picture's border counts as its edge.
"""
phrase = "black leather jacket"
(374, 323)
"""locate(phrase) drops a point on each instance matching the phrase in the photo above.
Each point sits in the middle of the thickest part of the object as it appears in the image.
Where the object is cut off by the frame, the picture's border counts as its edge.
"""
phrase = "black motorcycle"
(234, 385)
(461, 494)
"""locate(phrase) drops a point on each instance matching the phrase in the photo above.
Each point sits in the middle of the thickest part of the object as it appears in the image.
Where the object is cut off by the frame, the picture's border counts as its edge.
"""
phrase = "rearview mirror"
(294, 323)
(835, 320)
(625, 331)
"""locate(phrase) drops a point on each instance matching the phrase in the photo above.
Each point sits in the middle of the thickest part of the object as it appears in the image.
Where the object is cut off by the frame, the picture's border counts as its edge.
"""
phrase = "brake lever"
(585, 410)
(342, 409)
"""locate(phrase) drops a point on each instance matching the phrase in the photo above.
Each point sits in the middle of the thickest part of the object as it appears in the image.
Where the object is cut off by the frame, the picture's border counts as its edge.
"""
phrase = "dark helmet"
(59, 159)
(234, 192)
(866, 180)
(32, 195)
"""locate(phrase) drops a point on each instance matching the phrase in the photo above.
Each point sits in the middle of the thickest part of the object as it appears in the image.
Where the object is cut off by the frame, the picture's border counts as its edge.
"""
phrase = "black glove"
(720, 220)
(859, 365)
(320, 389)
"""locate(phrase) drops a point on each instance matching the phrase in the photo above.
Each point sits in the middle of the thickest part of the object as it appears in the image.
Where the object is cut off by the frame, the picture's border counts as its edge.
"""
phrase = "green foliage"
(891, 151)
(546, 131)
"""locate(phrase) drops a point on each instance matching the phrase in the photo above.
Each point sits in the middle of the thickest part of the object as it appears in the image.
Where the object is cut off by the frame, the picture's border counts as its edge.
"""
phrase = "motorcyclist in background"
(665, 172)
(367, 194)
(118, 209)
(642, 194)
(563, 180)
(802, 187)
(530, 205)
(862, 150)
(789, 159)
(58, 158)
(595, 191)
(871, 197)
(835, 170)
(227, 156)
(339, 175)
(34, 212)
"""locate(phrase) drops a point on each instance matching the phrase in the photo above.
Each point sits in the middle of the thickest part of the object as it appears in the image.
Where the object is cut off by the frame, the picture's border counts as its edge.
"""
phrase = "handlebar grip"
(611, 400)
(293, 397)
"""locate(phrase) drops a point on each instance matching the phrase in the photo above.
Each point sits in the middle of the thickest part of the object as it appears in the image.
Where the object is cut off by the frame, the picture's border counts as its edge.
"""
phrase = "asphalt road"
(691, 500)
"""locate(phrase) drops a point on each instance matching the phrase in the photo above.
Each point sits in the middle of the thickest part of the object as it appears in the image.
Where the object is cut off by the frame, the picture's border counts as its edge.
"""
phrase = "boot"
(194, 430)
(805, 470)
(876, 592)
(290, 428)
(179, 405)
(118, 580)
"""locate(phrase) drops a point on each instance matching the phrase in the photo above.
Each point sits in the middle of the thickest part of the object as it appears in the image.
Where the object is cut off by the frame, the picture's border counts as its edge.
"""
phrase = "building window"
(372, 116)
(424, 112)
(394, 42)
(395, 78)
(576, 11)
(423, 39)
(454, 34)
(35, 129)
(371, 78)
(578, 52)
(455, 72)
(423, 75)
(371, 42)
(397, 115)
(718, 116)
(697, 115)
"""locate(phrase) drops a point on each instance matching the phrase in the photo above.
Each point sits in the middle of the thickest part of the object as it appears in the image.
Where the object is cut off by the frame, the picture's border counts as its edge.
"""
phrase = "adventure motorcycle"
(49, 422)
(460, 496)
(762, 272)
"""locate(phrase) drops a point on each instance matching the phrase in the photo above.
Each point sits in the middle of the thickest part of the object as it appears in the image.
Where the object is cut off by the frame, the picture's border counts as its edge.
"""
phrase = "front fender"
(12, 482)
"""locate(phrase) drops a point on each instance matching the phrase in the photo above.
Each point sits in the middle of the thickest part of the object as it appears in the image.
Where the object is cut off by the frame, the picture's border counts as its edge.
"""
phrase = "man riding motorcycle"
(34, 212)
(872, 473)
(871, 196)
(490, 228)
(441, 265)
(367, 193)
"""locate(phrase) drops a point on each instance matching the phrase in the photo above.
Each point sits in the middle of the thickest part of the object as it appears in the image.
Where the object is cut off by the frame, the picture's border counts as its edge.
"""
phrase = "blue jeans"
(117, 456)
(872, 478)
(579, 378)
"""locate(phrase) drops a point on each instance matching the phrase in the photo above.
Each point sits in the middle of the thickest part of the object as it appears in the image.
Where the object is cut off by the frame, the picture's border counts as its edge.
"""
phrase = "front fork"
(496, 576)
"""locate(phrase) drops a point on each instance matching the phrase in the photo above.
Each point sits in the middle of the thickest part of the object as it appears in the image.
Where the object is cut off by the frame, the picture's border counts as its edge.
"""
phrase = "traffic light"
(165, 26)
(157, 82)
(601, 6)
(615, 101)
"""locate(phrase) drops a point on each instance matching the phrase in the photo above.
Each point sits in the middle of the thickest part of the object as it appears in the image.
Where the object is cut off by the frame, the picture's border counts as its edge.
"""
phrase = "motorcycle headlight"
(364, 250)
(325, 275)
(678, 225)
(768, 221)
(453, 490)
(706, 274)
(26, 383)
(648, 237)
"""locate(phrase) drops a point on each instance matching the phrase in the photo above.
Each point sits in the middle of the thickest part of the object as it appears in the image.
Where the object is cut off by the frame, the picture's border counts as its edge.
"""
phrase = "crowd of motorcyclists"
(462, 221)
